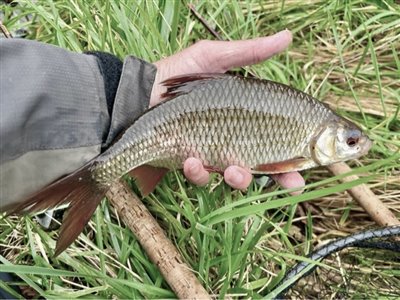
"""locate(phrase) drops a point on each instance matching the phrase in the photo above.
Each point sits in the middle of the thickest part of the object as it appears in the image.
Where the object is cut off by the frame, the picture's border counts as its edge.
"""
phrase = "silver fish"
(220, 119)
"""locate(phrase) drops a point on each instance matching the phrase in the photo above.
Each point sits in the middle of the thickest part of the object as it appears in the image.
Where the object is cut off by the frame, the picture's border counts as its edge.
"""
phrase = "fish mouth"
(367, 145)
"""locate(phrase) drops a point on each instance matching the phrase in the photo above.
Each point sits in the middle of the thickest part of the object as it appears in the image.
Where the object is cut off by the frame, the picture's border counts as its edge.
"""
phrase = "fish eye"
(352, 141)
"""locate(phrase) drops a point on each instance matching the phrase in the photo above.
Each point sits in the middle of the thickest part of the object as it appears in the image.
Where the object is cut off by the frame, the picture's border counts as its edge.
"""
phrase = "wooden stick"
(366, 198)
(159, 248)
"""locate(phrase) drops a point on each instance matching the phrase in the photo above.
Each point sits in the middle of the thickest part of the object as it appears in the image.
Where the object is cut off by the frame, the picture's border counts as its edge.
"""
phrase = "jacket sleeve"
(59, 109)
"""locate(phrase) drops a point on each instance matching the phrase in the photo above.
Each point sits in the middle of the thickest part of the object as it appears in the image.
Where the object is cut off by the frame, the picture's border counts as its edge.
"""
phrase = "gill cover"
(339, 141)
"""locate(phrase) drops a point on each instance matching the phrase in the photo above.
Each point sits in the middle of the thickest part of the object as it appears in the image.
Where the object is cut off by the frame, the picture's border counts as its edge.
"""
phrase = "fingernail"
(284, 32)
(194, 169)
(281, 32)
(236, 178)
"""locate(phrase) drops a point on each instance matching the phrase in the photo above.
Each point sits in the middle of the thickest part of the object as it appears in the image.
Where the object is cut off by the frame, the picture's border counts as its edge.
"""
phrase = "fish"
(263, 126)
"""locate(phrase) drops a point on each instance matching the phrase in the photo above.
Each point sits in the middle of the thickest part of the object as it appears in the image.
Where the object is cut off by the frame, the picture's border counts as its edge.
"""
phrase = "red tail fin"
(79, 190)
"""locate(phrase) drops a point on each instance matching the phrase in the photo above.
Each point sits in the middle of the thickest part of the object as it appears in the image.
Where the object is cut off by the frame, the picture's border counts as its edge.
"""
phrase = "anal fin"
(147, 177)
(212, 169)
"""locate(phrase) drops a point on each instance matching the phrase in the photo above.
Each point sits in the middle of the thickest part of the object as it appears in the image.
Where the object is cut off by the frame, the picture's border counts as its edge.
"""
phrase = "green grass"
(345, 53)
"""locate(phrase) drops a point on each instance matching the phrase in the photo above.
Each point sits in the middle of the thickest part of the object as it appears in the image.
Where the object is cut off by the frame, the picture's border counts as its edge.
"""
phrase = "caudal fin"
(78, 189)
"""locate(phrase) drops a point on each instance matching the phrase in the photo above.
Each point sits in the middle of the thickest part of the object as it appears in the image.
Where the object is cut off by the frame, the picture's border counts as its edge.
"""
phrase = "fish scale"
(224, 121)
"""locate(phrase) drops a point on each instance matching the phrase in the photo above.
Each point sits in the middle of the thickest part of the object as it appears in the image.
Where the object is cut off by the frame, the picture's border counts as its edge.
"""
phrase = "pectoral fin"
(290, 165)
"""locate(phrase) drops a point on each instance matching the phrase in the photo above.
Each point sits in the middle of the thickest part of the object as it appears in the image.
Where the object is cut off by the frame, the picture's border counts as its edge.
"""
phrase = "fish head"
(339, 140)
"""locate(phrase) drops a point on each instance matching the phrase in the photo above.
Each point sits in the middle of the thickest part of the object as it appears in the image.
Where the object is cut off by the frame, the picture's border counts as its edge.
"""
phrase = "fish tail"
(80, 190)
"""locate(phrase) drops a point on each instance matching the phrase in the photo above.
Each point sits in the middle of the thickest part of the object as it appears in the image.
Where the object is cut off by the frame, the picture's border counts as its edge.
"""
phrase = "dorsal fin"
(183, 84)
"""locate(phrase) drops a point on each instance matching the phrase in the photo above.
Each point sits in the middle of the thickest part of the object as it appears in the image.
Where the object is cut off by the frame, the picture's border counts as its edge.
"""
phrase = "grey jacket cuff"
(133, 95)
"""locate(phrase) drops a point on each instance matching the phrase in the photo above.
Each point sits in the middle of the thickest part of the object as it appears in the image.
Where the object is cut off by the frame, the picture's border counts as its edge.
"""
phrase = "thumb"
(227, 55)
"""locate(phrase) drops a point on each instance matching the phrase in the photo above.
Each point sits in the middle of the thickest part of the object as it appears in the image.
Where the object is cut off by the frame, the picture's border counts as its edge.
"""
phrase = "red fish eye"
(351, 141)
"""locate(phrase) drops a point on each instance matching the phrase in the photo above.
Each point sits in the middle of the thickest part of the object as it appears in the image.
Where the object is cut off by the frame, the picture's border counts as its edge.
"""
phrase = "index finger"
(230, 54)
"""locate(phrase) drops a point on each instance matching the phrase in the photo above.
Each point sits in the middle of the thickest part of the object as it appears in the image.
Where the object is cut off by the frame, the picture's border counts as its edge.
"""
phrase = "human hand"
(219, 57)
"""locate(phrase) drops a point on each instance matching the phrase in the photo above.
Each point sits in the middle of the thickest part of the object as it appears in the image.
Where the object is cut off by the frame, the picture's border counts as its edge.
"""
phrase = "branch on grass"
(366, 198)
(5, 31)
(204, 22)
(157, 246)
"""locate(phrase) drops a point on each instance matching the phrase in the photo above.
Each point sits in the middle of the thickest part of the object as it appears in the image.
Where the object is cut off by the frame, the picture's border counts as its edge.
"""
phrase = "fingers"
(237, 177)
(195, 172)
(222, 56)
(290, 180)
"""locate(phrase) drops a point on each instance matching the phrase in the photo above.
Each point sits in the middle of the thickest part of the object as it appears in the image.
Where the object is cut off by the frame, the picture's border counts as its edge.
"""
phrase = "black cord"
(360, 239)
